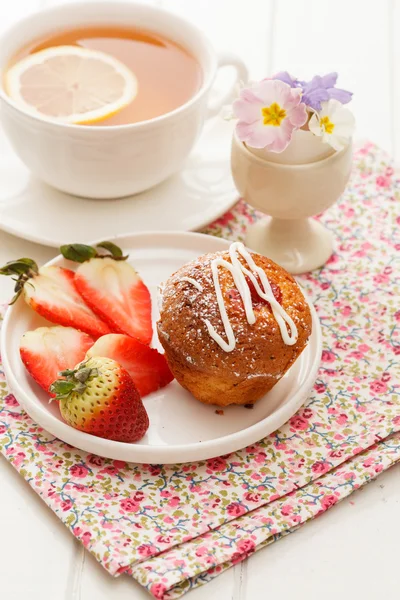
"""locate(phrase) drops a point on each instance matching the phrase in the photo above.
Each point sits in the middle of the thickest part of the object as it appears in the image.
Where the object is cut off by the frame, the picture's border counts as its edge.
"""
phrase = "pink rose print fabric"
(176, 527)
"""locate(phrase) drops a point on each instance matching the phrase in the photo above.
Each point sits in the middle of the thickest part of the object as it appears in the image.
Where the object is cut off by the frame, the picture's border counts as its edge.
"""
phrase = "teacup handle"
(228, 59)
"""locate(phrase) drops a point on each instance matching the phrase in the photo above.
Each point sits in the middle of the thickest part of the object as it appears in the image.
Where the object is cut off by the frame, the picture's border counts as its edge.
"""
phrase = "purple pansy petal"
(314, 84)
(342, 95)
(321, 89)
(310, 102)
(286, 78)
(315, 97)
(329, 80)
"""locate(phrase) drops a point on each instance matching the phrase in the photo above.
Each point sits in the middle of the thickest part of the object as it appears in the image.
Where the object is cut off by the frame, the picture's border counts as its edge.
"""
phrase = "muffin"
(231, 324)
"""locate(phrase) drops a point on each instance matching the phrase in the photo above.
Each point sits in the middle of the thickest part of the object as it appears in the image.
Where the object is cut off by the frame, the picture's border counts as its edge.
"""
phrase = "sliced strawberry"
(52, 294)
(48, 350)
(256, 299)
(115, 292)
(147, 367)
(236, 302)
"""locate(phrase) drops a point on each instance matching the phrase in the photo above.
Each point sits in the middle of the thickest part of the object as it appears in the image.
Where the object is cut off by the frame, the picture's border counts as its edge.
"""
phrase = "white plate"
(200, 193)
(181, 428)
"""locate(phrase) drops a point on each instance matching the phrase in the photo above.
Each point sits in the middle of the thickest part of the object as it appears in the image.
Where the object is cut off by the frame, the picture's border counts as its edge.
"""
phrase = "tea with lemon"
(102, 76)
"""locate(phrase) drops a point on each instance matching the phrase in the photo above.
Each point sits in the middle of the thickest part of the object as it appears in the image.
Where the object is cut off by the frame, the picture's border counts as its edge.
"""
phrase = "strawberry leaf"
(83, 375)
(78, 252)
(21, 266)
(25, 269)
(61, 388)
(114, 250)
(66, 373)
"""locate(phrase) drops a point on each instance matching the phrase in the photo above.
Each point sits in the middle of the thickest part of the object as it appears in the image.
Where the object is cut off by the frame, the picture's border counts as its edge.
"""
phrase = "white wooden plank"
(35, 549)
(49, 3)
(97, 583)
(350, 552)
(240, 575)
(233, 25)
(394, 41)
(31, 534)
(318, 36)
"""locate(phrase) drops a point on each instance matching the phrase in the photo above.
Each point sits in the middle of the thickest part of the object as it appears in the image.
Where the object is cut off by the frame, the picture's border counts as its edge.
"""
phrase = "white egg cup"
(290, 194)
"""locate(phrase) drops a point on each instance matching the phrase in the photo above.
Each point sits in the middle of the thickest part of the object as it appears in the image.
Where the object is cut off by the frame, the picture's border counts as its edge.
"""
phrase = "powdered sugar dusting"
(196, 284)
(185, 310)
(241, 274)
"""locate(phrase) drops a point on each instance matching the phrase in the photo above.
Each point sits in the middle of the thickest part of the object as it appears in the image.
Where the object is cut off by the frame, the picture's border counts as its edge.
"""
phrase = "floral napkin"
(175, 527)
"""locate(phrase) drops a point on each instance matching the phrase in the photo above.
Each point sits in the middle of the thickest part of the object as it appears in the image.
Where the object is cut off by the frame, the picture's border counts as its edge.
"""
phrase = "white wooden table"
(352, 551)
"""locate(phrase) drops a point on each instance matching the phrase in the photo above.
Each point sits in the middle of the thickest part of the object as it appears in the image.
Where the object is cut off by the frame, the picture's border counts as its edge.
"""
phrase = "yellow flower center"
(273, 115)
(327, 124)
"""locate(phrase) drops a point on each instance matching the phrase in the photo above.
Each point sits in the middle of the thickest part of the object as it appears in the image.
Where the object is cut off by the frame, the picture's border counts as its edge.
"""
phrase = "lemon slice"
(71, 84)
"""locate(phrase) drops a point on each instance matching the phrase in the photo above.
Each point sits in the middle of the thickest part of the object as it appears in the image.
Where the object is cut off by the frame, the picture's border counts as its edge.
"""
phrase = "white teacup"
(112, 161)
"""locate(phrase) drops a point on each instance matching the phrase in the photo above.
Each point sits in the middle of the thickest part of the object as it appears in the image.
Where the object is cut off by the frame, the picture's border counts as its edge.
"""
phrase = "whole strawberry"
(99, 397)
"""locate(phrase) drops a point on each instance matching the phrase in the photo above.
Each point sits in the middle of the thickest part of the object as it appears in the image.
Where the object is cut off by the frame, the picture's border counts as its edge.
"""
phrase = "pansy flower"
(318, 89)
(334, 123)
(322, 89)
(268, 112)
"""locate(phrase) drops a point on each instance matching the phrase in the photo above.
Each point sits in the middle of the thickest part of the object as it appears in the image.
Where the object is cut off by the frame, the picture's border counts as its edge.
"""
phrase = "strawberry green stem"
(81, 252)
(73, 381)
(24, 269)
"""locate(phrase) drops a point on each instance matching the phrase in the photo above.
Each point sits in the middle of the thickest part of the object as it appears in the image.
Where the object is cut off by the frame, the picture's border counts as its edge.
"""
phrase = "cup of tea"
(159, 64)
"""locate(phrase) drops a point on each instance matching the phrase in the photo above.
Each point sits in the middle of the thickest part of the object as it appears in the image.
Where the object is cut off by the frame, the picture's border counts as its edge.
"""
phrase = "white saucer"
(200, 193)
(181, 428)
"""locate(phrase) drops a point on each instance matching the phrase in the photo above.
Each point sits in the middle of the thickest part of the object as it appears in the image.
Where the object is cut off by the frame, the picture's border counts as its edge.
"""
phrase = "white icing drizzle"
(193, 282)
(238, 271)
(160, 292)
